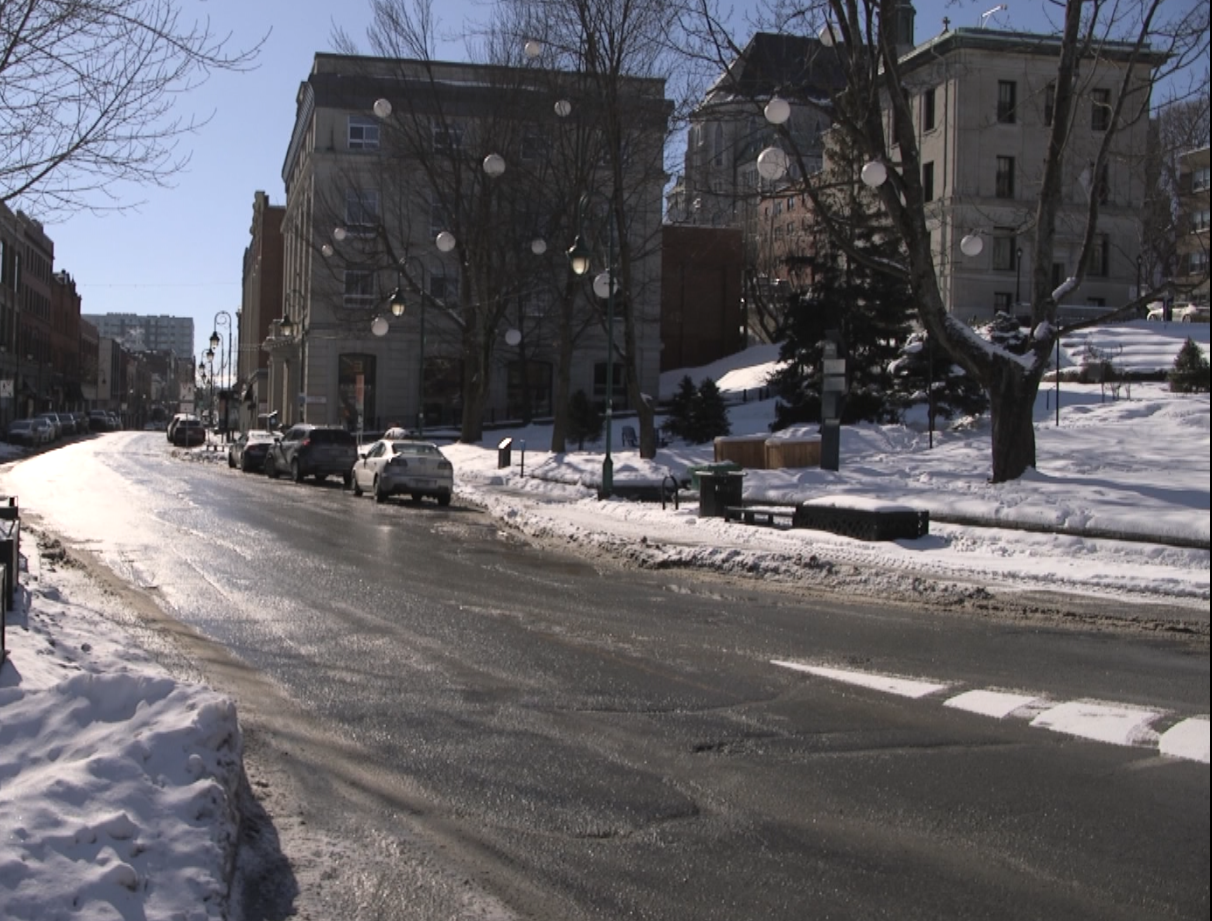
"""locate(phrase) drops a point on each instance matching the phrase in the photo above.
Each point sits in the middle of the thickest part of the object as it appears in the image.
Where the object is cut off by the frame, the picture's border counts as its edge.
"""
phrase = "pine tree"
(1190, 371)
(677, 417)
(921, 371)
(584, 420)
(1007, 332)
(708, 414)
(871, 310)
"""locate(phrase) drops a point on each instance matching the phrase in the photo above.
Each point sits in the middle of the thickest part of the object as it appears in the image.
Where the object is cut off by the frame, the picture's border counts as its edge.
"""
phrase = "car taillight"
(304, 443)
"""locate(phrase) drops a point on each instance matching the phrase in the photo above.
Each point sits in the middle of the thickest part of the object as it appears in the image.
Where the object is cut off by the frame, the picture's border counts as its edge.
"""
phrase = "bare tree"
(1138, 44)
(88, 93)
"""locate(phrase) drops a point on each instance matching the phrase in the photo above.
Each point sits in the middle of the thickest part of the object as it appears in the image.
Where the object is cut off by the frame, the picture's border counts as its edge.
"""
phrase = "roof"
(795, 66)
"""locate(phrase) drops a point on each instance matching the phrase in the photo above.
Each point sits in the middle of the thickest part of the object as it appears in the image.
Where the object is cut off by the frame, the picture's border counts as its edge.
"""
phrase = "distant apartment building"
(1193, 224)
(146, 333)
(429, 210)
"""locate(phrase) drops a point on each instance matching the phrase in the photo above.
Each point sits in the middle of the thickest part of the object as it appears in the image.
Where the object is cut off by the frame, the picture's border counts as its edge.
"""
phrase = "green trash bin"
(721, 467)
(719, 490)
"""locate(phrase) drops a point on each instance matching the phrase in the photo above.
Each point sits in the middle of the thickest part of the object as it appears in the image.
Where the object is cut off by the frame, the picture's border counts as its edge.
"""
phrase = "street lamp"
(604, 287)
(398, 306)
(1018, 274)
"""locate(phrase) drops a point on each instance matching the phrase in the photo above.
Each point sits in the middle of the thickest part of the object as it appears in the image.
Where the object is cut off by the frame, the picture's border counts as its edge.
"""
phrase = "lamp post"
(223, 318)
(398, 305)
(1018, 274)
(579, 259)
(210, 358)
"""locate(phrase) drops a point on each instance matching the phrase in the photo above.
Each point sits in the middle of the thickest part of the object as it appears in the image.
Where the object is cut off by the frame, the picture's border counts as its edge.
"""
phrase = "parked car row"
(387, 467)
(48, 427)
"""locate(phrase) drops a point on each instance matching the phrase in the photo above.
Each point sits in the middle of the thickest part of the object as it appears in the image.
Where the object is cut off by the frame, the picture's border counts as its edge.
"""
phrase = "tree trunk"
(1012, 393)
(475, 388)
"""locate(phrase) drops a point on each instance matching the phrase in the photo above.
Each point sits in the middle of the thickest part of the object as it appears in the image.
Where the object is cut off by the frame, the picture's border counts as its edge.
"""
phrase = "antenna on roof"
(1000, 8)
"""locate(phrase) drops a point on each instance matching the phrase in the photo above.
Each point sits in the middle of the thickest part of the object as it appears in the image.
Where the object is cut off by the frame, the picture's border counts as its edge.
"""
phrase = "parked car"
(188, 433)
(32, 433)
(99, 421)
(56, 428)
(390, 467)
(172, 424)
(1179, 313)
(312, 450)
(67, 423)
(248, 451)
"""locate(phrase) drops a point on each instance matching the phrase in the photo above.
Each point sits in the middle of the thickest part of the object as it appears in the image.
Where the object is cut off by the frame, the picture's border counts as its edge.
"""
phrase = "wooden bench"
(768, 516)
(862, 518)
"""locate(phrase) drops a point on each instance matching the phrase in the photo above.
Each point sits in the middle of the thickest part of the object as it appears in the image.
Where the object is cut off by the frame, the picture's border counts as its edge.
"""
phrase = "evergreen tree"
(1190, 371)
(677, 417)
(871, 310)
(921, 371)
(708, 414)
(1006, 331)
(584, 420)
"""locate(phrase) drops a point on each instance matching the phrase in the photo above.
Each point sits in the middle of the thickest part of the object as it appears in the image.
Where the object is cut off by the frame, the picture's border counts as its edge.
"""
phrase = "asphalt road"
(445, 721)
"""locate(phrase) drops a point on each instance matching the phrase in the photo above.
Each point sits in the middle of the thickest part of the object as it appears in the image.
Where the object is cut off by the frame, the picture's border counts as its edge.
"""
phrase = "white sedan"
(393, 466)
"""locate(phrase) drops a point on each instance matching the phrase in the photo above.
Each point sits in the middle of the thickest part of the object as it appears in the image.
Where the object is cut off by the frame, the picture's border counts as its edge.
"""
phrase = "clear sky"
(180, 252)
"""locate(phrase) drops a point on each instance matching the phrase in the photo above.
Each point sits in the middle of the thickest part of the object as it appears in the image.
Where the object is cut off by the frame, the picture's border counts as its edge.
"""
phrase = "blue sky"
(180, 252)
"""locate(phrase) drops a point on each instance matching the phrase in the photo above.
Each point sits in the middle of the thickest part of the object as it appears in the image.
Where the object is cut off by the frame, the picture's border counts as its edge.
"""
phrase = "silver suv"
(313, 450)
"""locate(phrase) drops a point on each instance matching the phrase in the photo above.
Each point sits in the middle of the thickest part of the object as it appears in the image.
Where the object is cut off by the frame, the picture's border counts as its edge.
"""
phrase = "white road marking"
(1188, 739)
(1101, 722)
(1117, 724)
(905, 687)
(997, 704)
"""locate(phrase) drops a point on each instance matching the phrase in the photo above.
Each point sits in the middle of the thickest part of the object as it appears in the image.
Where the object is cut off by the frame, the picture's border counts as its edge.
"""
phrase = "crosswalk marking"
(1100, 721)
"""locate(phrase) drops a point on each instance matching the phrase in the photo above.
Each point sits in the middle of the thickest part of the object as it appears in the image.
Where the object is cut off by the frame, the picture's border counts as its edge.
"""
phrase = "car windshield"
(414, 448)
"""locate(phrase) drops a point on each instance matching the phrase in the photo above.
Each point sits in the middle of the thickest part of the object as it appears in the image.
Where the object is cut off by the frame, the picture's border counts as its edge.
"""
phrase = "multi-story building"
(982, 102)
(1193, 224)
(66, 393)
(261, 305)
(37, 254)
(453, 185)
(147, 333)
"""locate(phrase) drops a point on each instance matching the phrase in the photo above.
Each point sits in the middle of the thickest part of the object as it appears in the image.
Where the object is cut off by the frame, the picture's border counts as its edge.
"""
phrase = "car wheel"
(357, 487)
(231, 462)
(347, 480)
(443, 499)
(245, 466)
(271, 468)
(295, 473)
(379, 496)
(417, 497)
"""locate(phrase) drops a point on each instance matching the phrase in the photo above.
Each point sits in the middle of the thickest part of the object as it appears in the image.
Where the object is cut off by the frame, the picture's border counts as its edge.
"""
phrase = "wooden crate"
(792, 452)
(746, 450)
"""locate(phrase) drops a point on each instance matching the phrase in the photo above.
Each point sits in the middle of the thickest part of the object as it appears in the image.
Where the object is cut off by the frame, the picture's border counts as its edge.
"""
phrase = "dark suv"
(313, 450)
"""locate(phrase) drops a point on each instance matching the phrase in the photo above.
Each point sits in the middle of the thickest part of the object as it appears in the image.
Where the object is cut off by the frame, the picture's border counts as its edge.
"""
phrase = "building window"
(1102, 188)
(1200, 179)
(439, 220)
(1002, 301)
(1100, 111)
(928, 181)
(1199, 221)
(1007, 94)
(928, 109)
(718, 158)
(1100, 256)
(1049, 103)
(1004, 187)
(599, 386)
(444, 288)
(361, 211)
(447, 137)
(1096, 302)
(1004, 246)
(533, 144)
(1197, 263)
(359, 287)
(356, 386)
(528, 384)
(363, 133)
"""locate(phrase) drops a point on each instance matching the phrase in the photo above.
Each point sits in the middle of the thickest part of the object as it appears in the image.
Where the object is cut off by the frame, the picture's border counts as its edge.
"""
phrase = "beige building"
(982, 102)
(447, 181)
(1193, 224)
